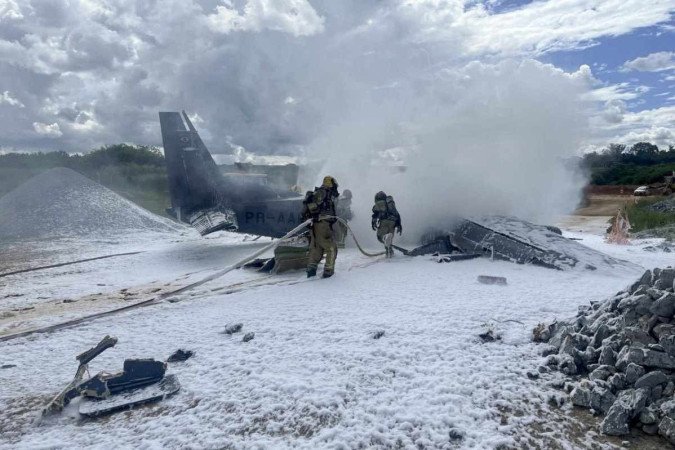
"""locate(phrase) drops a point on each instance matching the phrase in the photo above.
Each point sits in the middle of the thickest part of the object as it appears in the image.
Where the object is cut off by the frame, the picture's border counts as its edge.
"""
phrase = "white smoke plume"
(449, 136)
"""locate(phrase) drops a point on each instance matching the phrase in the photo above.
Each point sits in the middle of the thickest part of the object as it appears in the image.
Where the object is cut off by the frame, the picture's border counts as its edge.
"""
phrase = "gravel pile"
(664, 206)
(621, 354)
(62, 203)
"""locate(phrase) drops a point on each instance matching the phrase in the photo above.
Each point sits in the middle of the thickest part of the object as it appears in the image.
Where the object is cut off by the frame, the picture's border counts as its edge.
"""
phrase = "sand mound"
(61, 203)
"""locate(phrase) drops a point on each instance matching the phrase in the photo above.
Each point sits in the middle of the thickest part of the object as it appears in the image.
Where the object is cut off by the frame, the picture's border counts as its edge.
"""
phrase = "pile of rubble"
(664, 206)
(621, 354)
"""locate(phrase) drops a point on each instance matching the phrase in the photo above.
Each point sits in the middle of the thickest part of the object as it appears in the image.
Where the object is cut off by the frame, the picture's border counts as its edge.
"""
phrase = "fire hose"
(180, 290)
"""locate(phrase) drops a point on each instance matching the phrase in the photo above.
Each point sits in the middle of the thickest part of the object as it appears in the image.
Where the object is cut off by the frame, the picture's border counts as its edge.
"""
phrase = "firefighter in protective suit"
(386, 220)
(344, 212)
(320, 206)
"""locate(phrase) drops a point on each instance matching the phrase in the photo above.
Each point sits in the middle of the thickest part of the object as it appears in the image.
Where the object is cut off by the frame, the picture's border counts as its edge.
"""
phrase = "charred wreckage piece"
(141, 381)
(510, 239)
(623, 351)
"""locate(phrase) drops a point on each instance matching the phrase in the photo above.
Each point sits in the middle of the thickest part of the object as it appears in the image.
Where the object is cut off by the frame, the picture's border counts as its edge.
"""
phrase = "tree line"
(641, 163)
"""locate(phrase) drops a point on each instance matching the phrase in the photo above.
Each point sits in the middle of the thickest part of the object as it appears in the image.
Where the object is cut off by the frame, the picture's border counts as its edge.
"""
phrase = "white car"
(642, 190)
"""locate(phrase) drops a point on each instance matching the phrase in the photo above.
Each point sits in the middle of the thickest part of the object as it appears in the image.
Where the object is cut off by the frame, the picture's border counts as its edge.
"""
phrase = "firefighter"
(320, 205)
(386, 220)
(344, 212)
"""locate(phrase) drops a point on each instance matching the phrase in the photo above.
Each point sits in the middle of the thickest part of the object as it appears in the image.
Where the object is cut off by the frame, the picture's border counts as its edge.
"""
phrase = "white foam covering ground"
(62, 203)
(314, 377)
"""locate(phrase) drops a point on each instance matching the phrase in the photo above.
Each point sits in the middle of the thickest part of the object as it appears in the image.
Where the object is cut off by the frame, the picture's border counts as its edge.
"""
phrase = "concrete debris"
(667, 429)
(180, 355)
(490, 336)
(233, 328)
(664, 206)
(378, 334)
(488, 279)
(628, 405)
(621, 353)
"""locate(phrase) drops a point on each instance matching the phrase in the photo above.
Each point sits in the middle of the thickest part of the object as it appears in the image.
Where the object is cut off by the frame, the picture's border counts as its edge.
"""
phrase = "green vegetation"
(137, 173)
(642, 218)
(631, 174)
(643, 163)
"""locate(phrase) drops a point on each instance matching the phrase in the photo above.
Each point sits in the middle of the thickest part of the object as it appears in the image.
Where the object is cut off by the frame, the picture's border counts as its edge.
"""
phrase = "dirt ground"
(595, 215)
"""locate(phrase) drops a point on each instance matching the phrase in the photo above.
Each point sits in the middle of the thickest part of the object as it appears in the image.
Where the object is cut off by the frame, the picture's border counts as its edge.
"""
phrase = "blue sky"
(608, 54)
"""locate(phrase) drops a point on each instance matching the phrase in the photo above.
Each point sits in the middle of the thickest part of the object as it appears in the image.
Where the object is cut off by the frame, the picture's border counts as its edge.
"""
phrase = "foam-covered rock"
(623, 349)
(628, 404)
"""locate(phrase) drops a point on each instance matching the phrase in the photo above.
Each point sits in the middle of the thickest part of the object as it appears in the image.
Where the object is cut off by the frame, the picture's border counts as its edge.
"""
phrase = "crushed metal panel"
(523, 242)
(474, 238)
(169, 385)
(208, 221)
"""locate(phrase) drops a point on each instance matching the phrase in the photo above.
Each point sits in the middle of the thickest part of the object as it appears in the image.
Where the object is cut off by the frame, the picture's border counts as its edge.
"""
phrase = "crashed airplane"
(209, 201)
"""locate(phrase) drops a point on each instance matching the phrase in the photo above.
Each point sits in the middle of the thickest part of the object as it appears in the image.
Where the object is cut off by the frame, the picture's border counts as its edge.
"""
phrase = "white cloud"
(651, 125)
(614, 111)
(7, 99)
(661, 137)
(619, 91)
(10, 11)
(654, 62)
(545, 26)
(50, 130)
(296, 17)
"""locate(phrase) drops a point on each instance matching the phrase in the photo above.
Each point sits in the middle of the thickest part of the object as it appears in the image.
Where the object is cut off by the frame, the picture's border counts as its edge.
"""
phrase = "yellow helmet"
(329, 182)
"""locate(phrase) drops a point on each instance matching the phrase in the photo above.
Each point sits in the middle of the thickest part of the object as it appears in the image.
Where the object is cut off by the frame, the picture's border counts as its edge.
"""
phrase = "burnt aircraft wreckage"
(204, 198)
(141, 381)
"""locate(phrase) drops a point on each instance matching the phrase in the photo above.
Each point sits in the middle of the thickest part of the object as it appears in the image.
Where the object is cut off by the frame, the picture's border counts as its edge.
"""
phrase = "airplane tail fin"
(195, 184)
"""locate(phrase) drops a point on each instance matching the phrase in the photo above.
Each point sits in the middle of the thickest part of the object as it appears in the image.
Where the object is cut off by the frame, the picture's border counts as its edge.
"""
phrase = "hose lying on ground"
(165, 295)
(160, 297)
(51, 266)
(344, 222)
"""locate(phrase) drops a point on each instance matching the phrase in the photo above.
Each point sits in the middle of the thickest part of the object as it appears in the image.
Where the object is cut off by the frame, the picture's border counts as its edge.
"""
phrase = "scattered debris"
(166, 386)
(664, 206)
(445, 258)
(488, 279)
(665, 247)
(105, 392)
(378, 334)
(624, 351)
(490, 335)
(234, 328)
(180, 355)
(248, 337)
(532, 375)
